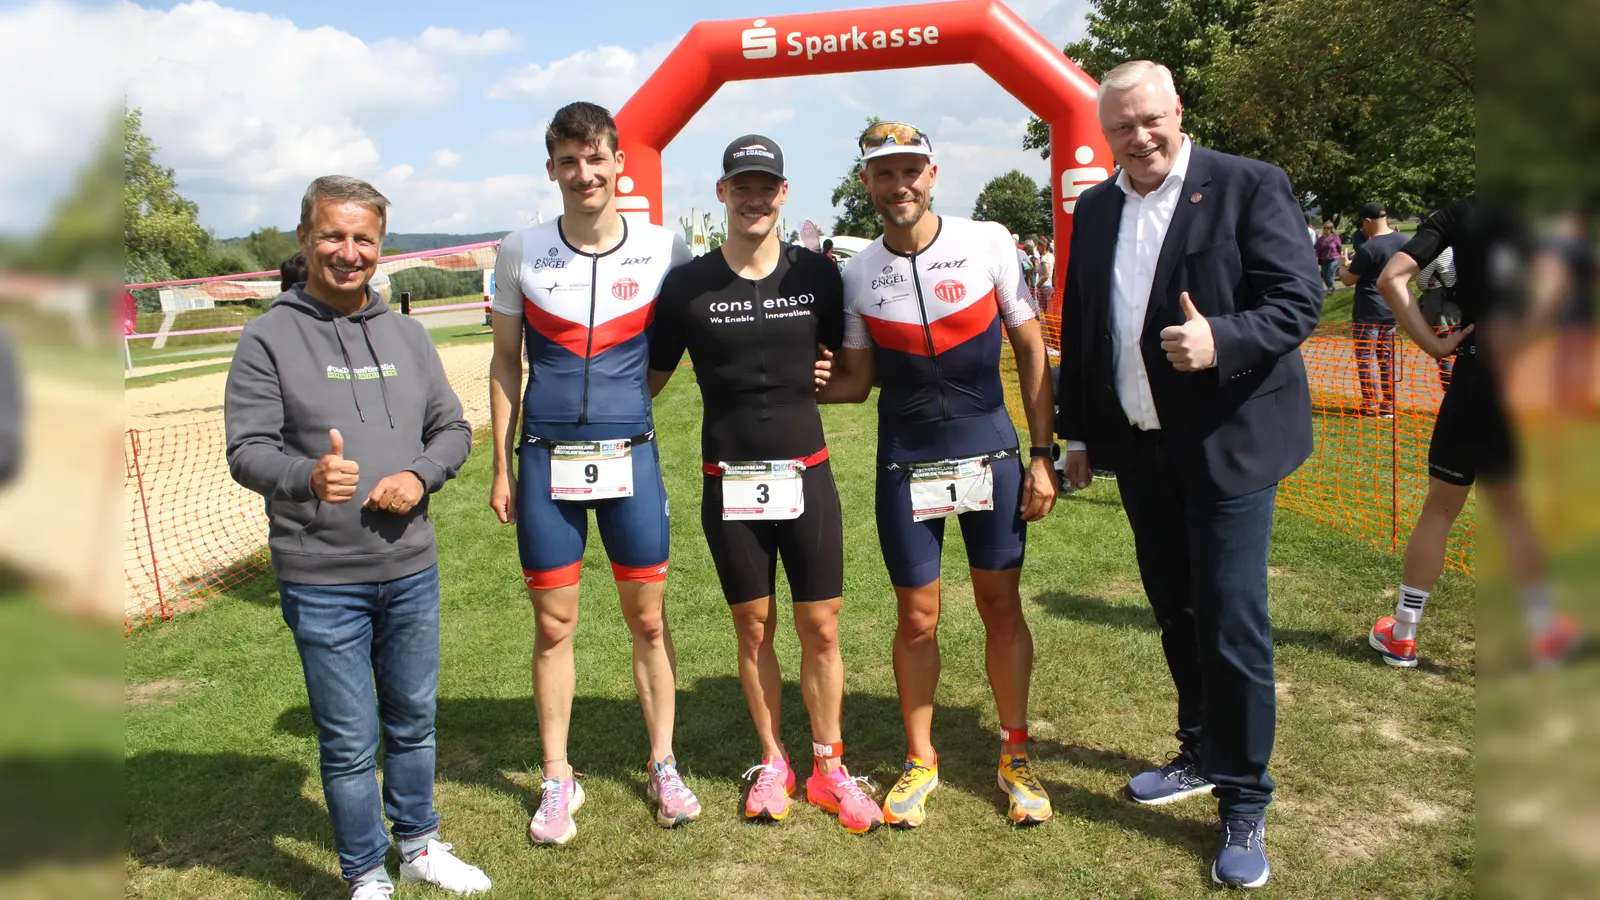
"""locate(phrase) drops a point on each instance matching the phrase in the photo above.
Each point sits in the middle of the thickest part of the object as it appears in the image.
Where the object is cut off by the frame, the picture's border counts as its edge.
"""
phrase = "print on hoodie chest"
(589, 306)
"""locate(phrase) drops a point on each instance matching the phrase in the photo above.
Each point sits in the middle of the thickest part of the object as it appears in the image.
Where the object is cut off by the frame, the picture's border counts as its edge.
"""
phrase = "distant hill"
(412, 243)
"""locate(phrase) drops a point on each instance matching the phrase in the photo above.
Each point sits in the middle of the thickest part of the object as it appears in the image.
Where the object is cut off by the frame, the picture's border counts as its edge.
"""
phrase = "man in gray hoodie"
(333, 399)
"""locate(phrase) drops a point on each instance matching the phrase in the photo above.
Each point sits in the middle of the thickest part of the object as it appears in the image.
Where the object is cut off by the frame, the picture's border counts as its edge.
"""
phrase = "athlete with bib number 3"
(581, 292)
(924, 308)
(752, 316)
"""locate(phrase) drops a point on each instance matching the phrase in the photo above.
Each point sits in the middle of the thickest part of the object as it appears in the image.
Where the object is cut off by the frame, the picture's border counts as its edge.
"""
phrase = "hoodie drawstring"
(351, 369)
(383, 385)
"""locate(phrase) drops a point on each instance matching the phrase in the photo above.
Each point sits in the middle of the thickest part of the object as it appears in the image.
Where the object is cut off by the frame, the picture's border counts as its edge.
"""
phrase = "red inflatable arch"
(983, 32)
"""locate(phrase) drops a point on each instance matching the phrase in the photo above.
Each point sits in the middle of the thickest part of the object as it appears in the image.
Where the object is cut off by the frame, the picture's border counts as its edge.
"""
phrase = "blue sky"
(442, 105)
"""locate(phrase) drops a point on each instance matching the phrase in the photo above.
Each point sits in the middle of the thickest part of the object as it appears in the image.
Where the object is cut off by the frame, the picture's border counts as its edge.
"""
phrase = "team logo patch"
(950, 291)
(625, 289)
(553, 253)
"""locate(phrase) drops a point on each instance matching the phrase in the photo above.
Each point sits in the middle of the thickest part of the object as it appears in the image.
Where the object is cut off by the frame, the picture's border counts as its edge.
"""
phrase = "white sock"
(1536, 607)
(1408, 612)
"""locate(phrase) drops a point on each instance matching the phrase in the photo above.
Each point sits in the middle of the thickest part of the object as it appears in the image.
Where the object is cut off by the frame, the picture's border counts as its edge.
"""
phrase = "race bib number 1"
(591, 470)
(951, 487)
(762, 490)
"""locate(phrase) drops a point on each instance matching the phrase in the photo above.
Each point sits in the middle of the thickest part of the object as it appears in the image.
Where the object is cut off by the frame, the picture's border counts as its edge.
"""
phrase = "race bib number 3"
(762, 490)
(951, 487)
(591, 470)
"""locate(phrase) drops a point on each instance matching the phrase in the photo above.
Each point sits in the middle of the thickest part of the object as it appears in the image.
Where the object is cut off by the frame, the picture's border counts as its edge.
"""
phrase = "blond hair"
(1131, 74)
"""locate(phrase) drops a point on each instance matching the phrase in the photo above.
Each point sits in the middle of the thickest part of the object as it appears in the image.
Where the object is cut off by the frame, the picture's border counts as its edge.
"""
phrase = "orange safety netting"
(1368, 472)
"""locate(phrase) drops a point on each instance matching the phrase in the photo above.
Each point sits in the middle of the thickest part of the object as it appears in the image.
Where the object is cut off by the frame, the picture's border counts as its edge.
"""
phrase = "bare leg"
(655, 666)
(916, 663)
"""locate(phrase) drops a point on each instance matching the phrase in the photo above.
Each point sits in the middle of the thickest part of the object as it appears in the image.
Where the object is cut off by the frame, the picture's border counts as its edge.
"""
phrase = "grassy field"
(1374, 765)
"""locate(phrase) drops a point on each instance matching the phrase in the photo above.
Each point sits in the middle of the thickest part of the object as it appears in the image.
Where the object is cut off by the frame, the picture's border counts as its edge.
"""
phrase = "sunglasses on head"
(892, 133)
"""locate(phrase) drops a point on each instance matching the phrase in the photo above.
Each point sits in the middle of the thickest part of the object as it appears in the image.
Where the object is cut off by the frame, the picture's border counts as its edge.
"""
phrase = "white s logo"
(759, 42)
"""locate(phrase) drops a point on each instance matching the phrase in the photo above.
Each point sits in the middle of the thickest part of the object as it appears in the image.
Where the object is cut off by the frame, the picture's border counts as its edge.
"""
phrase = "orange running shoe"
(768, 800)
(839, 793)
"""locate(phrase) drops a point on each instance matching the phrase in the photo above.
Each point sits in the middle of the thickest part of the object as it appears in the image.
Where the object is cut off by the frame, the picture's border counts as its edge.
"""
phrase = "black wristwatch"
(1049, 452)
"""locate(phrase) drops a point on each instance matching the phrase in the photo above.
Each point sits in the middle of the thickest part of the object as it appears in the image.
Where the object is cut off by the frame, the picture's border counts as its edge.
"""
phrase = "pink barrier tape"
(273, 273)
(156, 334)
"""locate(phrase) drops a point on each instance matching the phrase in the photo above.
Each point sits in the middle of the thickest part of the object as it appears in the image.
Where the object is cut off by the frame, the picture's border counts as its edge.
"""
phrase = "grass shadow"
(178, 820)
(56, 809)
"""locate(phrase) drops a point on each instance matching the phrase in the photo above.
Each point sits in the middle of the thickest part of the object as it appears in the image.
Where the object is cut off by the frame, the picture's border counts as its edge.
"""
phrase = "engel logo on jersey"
(759, 42)
(551, 260)
(890, 277)
(636, 260)
(948, 264)
(625, 289)
(950, 291)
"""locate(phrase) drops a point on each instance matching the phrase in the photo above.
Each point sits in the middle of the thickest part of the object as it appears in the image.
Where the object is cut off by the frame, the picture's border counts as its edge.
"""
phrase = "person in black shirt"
(752, 316)
(1374, 323)
(1472, 436)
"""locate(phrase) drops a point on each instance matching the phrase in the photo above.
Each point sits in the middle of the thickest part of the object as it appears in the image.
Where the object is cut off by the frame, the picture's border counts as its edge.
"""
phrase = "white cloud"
(456, 43)
(398, 173)
(444, 158)
(603, 75)
(448, 205)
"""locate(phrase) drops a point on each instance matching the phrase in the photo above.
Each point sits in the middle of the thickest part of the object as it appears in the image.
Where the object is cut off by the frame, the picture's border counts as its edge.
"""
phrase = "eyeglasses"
(897, 134)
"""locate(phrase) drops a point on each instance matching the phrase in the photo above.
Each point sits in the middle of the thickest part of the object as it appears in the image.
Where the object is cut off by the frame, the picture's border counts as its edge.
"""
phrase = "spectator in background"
(1310, 231)
(291, 272)
(1374, 323)
(1437, 281)
(1567, 274)
(1330, 251)
(1047, 268)
(10, 411)
(827, 250)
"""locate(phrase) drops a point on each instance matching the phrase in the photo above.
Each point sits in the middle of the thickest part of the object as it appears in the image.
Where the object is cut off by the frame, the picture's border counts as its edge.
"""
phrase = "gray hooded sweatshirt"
(304, 368)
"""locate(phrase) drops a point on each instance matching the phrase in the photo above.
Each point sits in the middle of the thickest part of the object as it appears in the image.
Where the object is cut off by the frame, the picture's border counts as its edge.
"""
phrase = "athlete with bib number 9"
(924, 309)
(581, 292)
(752, 316)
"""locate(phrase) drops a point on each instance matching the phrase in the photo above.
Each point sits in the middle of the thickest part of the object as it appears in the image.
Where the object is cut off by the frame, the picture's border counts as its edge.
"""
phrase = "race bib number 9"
(951, 487)
(762, 490)
(591, 470)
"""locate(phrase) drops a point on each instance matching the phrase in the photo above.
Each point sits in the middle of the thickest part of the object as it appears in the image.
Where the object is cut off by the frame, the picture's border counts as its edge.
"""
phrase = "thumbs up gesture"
(1190, 346)
(334, 478)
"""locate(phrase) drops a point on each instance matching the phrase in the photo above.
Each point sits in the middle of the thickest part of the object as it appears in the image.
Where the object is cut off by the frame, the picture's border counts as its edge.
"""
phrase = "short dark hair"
(827, 244)
(344, 189)
(292, 271)
(588, 123)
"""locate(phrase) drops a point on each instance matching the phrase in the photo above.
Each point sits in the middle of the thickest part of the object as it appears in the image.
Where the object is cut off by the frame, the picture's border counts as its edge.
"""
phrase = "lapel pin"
(1194, 197)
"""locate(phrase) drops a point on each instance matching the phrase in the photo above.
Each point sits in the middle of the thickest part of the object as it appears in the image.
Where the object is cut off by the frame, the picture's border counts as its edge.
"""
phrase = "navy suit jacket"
(1237, 244)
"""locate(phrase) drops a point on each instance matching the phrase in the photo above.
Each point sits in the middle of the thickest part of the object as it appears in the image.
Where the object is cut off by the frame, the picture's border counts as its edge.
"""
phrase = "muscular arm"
(1033, 377)
(1392, 286)
(853, 375)
(505, 389)
(658, 380)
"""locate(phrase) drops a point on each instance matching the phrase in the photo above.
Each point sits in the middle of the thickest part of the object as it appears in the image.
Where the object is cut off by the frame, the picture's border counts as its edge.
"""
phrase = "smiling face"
(1144, 127)
(587, 174)
(341, 244)
(901, 185)
(753, 200)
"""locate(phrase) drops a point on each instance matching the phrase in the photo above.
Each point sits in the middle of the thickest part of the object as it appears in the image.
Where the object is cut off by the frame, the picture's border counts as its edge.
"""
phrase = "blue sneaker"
(1170, 783)
(1241, 853)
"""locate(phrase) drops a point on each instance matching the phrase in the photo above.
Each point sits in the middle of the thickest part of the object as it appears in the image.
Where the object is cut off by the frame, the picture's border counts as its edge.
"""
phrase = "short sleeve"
(1010, 286)
(508, 295)
(856, 336)
(1433, 235)
(830, 317)
(680, 251)
(1362, 261)
(667, 340)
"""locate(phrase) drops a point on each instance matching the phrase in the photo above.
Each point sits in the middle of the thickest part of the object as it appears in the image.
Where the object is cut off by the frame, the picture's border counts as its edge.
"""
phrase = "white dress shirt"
(1133, 272)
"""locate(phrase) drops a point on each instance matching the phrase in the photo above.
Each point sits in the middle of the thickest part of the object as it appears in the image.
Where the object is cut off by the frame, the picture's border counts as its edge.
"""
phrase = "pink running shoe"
(675, 803)
(553, 824)
(842, 795)
(768, 800)
(1557, 643)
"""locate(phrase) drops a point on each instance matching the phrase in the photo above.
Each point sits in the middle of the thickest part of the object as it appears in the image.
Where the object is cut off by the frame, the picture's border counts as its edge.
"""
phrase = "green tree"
(1184, 35)
(270, 246)
(161, 238)
(83, 235)
(1012, 200)
(1368, 100)
(859, 217)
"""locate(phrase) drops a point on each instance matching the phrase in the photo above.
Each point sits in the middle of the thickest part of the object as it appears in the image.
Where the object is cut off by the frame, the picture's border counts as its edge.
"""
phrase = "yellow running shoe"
(904, 807)
(1029, 803)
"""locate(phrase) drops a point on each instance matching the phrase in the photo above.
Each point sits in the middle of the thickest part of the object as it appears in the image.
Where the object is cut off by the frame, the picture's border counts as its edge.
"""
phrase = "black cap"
(1374, 210)
(752, 153)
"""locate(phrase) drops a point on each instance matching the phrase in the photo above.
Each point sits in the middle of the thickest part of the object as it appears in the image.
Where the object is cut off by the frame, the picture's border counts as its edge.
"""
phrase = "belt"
(806, 462)
(547, 443)
(904, 466)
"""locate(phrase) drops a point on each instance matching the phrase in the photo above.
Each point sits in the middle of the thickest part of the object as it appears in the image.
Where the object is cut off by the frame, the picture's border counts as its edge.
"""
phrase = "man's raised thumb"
(1189, 312)
(338, 442)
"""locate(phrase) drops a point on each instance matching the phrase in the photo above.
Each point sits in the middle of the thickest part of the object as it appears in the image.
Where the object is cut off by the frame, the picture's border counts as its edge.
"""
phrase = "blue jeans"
(1204, 567)
(352, 637)
(1330, 268)
(1374, 349)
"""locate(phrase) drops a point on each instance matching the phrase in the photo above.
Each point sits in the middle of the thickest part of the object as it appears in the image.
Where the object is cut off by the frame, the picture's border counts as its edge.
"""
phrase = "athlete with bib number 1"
(752, 316)
(924, 308)
(580, 292)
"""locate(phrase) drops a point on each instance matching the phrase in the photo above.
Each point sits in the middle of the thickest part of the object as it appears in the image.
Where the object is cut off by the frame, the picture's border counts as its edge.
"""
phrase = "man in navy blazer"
(1189, 290)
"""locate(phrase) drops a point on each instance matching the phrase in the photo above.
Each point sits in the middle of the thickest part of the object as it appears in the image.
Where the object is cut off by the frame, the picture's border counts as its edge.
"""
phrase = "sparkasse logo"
(759, 42)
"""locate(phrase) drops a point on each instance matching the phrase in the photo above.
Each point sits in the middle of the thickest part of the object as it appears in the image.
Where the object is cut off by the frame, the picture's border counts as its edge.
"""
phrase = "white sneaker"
(437, 865)
(372, 890)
